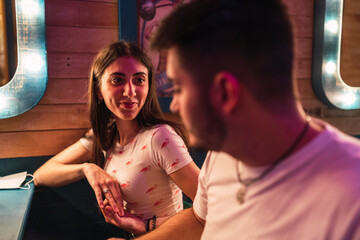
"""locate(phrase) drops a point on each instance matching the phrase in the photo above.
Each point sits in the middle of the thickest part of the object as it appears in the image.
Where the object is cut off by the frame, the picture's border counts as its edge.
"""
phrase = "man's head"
(248, 41)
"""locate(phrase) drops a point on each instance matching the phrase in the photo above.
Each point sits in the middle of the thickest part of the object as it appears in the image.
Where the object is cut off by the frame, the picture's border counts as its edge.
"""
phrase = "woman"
(132, 152)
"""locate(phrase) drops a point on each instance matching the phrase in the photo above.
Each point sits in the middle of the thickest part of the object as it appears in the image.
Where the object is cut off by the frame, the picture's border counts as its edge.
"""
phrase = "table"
(14, 209)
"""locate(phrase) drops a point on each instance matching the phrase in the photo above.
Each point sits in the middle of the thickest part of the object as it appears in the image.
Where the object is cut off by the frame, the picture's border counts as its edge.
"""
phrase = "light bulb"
(332, 26)
(32, 62)
(330, 67)
(30, 7)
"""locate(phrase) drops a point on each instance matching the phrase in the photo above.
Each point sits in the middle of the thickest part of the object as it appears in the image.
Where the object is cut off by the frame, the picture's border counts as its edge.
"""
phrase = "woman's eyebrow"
(118, 73)
(139, 73)
(124, 75)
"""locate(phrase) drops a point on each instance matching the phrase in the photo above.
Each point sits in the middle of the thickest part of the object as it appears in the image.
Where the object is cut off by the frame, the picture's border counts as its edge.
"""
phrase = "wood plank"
(110, 1)
(323, 111)
(69, 65)
(300, 8)
(79, 39)
(305, 88)
(351, 6)
(303, 47)
(48, 117)
(82, 13)
(349, 125)
(303, 26)
(350, 47)
(302, 68)
(65, 91)
(38, 143)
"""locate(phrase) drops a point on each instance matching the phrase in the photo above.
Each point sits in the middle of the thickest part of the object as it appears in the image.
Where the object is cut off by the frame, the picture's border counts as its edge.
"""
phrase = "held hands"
(104, 184)
(128, 222)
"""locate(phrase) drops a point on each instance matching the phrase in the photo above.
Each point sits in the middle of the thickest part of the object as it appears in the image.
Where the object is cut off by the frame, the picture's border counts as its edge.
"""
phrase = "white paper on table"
(12, 181)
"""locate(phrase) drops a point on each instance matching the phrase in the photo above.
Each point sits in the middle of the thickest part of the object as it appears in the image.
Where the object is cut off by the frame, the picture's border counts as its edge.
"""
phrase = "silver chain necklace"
(247, 183)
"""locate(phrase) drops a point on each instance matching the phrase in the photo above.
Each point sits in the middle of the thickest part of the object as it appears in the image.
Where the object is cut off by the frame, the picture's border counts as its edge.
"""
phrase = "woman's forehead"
(126, 65)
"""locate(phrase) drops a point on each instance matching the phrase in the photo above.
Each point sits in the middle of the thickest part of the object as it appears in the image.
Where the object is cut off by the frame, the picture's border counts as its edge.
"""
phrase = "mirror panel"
(8, 51)
(326, 78)
(28, 84)
(350, 43)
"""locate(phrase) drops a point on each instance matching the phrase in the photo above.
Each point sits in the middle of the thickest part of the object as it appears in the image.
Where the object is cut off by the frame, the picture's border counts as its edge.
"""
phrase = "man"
(273, 173)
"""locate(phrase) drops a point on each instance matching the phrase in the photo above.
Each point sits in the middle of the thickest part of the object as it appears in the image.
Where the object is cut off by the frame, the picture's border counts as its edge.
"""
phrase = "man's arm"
(183, 225)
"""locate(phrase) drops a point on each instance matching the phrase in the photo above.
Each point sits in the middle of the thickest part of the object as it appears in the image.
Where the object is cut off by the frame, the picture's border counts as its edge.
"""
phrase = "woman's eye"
(116, 80)
(140, 81)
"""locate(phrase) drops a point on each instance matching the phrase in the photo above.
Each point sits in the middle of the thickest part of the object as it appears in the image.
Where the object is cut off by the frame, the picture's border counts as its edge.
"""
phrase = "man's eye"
(176, 90)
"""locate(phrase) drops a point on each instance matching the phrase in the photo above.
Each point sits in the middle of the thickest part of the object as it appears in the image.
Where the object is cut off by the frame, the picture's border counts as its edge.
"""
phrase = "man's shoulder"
(221, 160)
(213, 155)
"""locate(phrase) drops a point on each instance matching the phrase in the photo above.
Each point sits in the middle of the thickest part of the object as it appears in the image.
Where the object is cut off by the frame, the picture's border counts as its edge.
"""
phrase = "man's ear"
(225, 92)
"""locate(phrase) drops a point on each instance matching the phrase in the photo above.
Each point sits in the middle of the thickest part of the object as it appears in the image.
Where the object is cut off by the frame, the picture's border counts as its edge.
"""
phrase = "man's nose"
(174, 105)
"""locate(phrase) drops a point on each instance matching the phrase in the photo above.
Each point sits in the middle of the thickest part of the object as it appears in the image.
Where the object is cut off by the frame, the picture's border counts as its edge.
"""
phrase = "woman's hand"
(128, 222)
(104, 184)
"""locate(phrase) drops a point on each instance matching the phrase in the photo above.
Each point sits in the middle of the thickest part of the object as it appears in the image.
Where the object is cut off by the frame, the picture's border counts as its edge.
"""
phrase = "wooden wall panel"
(69, 65)
(65, 91)
(300, 8)
(48, 117)
(72, 40)
(37, 143)
(75, 31)
(81, 13)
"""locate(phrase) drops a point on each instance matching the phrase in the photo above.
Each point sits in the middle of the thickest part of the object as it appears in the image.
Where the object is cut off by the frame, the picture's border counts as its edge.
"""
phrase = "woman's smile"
(128, 104)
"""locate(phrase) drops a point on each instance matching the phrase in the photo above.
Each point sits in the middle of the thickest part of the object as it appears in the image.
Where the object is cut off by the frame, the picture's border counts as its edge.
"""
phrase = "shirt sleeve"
(169, 150)
(87, 140)
(201, 200)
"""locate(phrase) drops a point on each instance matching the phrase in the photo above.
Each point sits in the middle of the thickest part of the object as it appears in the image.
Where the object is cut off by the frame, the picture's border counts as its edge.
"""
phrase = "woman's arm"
(64, 168)
(187, 178)
(71, 165)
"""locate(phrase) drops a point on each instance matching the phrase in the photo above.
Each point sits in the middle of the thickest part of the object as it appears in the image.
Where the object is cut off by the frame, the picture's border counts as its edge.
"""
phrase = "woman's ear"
(100, 96)
(225, 92)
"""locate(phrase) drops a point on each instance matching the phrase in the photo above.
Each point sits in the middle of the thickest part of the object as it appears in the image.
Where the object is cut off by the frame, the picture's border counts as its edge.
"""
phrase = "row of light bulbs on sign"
(32, 61)
(349, 96)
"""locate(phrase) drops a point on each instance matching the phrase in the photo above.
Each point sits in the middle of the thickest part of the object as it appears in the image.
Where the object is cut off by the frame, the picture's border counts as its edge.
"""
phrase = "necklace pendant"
(241, 194)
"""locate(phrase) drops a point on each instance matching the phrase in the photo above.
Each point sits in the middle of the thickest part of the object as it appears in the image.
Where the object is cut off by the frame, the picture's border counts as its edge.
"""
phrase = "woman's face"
(124, 87)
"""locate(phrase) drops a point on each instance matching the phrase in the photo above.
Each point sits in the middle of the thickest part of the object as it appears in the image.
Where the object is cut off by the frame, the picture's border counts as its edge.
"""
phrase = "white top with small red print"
(143, 167)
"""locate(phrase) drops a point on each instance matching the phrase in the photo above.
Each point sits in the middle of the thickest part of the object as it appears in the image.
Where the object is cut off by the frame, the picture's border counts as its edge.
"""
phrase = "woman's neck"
(127, 130)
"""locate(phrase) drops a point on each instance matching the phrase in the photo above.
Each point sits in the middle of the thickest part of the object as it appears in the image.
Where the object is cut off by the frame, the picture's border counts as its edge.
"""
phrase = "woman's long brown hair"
(101, 118)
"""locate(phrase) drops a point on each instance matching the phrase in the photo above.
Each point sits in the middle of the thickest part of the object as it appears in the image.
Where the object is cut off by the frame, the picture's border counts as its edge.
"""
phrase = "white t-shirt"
(143, 167)
(313, 194)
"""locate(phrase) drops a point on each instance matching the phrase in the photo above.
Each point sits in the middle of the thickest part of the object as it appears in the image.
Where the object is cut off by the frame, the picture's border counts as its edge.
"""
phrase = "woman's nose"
(129, 90)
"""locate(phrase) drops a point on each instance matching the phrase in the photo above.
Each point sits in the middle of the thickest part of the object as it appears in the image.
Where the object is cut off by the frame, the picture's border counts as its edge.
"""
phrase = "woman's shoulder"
(162, 129)
(157, 132)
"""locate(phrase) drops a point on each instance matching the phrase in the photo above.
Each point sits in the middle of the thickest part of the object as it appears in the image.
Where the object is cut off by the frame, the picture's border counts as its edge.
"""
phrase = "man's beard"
(210, 133)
